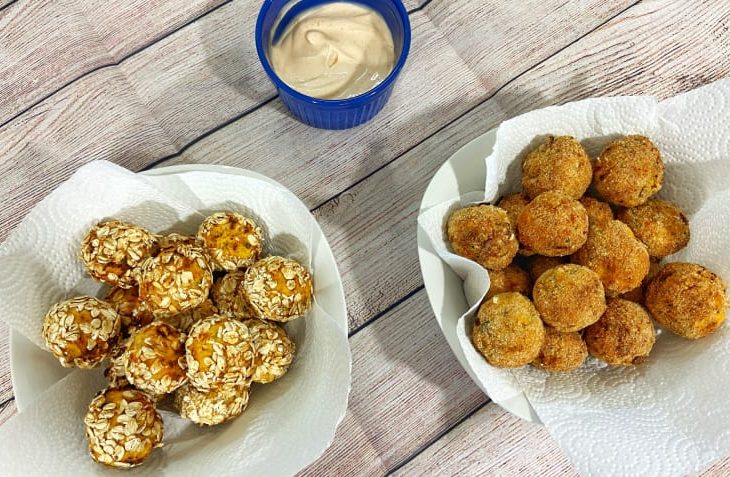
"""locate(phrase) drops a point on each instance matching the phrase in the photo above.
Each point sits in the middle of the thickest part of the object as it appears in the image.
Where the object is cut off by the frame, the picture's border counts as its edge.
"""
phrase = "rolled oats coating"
(212, 407)
(229, 296)
(274, 350)
(279, 289)
(154, 359)
(183, 321)
(134, 313)
(232, 240)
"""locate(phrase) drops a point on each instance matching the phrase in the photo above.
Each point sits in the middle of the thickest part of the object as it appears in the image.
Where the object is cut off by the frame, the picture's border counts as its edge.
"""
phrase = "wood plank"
(39, 56)
(407, 388)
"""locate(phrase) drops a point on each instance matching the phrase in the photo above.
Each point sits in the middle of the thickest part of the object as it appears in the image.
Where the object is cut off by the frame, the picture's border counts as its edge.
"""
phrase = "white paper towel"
(668, 416)
(287, 423)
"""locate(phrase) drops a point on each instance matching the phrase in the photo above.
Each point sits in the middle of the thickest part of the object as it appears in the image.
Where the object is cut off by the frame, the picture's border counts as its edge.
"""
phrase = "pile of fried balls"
(193, 320)
(575, 260)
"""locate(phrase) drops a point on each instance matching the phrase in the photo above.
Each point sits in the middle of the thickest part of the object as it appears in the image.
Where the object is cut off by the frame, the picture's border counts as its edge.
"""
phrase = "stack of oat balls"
(576, 271)
(192, 318)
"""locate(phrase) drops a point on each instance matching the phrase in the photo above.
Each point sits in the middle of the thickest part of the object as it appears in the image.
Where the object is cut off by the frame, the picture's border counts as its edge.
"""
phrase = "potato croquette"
(569, 297)
(483, 233)
(660, 225)
(598, 212)
(687, 299)
(553, 225)
(513, 204)
(560, 163)
(561, 352)
(538, 264)
(508, 331)
(623, 336)
(510, 279)
(619, 259)
(628, 171)
(637, 294)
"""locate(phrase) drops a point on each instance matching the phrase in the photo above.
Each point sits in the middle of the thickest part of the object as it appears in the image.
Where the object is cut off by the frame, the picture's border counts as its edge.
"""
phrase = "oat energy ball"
(278, 289)
(623, 336)
(127, 303)
(185, 320)
(560, 163)
(687, 299)
(274, 350)
(154, 359)
(229, 296)
(629, 171)
(219, 352)
(569, 297)
(173, 239)
(211, 407)
(598, 212)
(561, 352)
(508, 331)
(122, 427)
(484, 234)
(513, 204)
(177, 279)
(82, 331)
(553, 225)
(112, 250)
(619, 259)
(115, 372)
(660, 225)
(538, 264)
(232, 240)
(510, 279)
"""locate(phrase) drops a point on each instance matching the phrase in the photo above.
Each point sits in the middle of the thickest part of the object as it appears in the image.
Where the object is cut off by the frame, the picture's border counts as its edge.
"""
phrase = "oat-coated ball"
(628, 171)
(212, 407)
(483, 233)
(278, 289)
(127, 303)
(82, 331)
(559, 163)
(112, 250)
(122, 427)
(598, 212)
(174, 239)
(513, 204)
(115, 371)
(623, 336)
(177, 279)
(274, 350)
(660, 225)
(619, 259)
(508, 331)
(553, 225)
(219, 352)
(538, 264)
(232, 240)
(569, 297)
(561, 352)
(185, 320)
(154, 359)
(510, 279)
(229, 296)
(687, 299)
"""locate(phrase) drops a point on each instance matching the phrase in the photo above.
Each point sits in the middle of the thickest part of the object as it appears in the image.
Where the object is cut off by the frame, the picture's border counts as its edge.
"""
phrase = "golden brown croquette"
(483, 233)
(660, 225)
(561, 352)
(560, 163)
(510, 279)
(539, 264)
(598, 212)
(513, 204)
(553, 225)
(623, 336)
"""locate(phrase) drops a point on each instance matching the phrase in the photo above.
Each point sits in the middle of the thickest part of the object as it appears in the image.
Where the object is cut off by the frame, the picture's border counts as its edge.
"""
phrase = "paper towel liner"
(668, 416)
(287, 424)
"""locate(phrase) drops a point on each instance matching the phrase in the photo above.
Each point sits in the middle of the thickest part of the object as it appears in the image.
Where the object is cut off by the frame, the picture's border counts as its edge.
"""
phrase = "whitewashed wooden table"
(150, 83)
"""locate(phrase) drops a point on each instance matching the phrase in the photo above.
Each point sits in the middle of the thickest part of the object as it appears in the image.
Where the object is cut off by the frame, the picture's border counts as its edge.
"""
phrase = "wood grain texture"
(407, 389)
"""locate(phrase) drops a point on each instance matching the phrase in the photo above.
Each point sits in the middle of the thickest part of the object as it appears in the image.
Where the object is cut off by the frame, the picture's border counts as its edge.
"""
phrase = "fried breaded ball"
(127, 303)
(629, 171)
(185, 320)
(687, 299)
(539, 264)
(660, 225)
(175, 280)
(82, 331)
(513, 204)
(569, 297)
(561, 352)
(274, 350)
(219, 352)
(623, 336)
(112, 250)
(598, 212)
(553, 225)
(229, 296)
(232, 240)
(637, 294)
(212, 407)
(510, 279)
(508, 331)
(483, 233)
(154, 359)
(122, 427)
(278, 289)
(619, 259)
(561, 164)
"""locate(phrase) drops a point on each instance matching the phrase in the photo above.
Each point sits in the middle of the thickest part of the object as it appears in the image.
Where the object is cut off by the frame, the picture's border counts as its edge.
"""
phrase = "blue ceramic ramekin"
(337, 113)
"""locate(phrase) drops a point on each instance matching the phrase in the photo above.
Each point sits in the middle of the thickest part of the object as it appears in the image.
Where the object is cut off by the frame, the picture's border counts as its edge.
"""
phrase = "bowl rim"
(358, 100)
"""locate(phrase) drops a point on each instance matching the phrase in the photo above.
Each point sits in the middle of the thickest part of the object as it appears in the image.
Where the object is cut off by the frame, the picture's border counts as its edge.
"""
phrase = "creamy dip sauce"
(334, 51)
